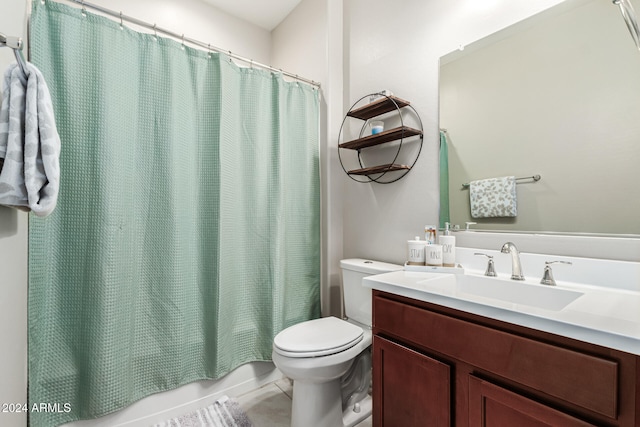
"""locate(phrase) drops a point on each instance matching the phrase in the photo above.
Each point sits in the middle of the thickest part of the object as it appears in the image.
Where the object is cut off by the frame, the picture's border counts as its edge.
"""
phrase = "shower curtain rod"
(181, 37)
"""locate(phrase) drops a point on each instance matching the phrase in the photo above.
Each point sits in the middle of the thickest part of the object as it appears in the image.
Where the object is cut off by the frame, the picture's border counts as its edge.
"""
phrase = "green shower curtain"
(187, 231)
(444, 180)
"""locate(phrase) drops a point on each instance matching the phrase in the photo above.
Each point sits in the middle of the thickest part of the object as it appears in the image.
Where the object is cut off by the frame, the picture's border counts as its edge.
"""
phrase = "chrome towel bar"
(534, 178)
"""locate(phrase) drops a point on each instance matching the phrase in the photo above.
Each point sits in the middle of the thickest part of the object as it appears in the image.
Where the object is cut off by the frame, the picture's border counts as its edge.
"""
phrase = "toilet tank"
(357, 298)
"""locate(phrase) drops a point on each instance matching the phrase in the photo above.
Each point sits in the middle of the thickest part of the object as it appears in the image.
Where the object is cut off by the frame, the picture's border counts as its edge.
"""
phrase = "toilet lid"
(319, 337)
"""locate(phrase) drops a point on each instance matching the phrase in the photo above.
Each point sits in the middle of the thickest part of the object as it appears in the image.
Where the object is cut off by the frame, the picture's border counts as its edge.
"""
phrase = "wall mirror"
(555, 95)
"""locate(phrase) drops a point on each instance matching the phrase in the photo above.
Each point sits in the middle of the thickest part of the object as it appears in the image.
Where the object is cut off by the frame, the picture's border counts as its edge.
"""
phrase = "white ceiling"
(266, 14)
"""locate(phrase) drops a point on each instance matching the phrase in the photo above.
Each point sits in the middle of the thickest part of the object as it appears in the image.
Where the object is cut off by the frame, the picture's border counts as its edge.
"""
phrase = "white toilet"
(329, 359)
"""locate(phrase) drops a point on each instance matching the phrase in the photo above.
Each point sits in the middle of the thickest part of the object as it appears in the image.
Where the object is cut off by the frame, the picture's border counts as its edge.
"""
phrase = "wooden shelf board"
(378, 169)
(378, 107)
(381, 138)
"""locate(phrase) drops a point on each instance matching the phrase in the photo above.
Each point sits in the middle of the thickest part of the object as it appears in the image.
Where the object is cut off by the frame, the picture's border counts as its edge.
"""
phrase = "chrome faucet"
(516, 268)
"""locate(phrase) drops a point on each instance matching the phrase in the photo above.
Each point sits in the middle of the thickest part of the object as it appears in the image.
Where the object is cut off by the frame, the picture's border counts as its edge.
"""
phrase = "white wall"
(398, 48)
(13, 310)
(198, 21)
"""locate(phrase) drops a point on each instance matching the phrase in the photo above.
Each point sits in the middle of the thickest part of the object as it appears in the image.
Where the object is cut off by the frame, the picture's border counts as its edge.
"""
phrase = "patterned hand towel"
(29, 143)
(494, 197)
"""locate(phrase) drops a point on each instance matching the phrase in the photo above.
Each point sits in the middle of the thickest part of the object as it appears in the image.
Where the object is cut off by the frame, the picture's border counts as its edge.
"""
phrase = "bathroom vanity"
(445, 357)
(439, 367)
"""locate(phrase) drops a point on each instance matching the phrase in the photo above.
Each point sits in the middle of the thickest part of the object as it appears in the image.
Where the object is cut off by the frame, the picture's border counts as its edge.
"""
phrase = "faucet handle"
(547, 277)
(491, 270)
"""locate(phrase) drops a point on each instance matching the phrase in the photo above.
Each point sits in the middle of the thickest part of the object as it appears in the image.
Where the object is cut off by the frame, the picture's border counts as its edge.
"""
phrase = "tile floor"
(270, 405)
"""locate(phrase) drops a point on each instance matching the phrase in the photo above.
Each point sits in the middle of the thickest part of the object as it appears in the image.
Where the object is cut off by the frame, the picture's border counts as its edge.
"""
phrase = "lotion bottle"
(448, 243)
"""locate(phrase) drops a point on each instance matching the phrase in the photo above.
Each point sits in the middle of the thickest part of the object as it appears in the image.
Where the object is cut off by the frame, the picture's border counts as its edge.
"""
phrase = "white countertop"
(608, 317)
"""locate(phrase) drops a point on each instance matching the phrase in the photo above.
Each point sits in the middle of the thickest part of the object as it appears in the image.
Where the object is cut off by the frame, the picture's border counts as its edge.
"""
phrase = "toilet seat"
(319, 337)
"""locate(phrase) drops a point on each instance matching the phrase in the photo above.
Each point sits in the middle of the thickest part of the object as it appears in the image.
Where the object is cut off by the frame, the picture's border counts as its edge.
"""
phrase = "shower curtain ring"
(84, 9)
(121, 23)
(183, 41)
(209, 47)
(155, 31)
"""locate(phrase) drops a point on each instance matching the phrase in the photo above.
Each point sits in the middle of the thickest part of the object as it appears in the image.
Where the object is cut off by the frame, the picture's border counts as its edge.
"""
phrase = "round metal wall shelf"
(385, 173)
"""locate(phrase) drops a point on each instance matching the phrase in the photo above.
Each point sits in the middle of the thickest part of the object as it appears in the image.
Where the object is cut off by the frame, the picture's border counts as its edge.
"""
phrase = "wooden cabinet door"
(409, 388)
(493, 406)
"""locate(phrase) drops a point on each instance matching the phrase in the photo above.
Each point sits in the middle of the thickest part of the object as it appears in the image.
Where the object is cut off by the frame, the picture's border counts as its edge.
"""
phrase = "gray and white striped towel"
(225, 412)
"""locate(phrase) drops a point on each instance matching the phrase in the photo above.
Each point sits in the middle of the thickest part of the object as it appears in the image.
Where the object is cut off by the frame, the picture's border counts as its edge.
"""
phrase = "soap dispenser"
(448, 243)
